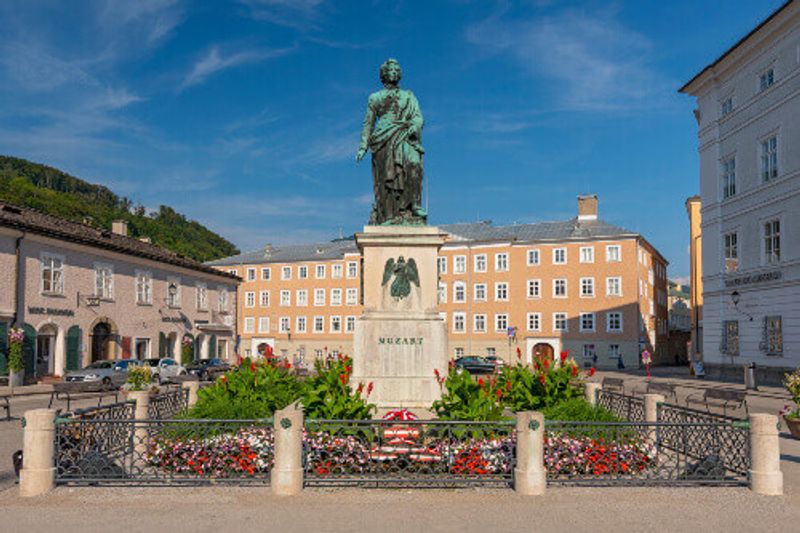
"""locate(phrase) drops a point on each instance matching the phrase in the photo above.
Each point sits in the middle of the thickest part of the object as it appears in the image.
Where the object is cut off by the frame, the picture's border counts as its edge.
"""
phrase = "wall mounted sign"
(50, 311)
(754, 278)
(400, 340)
(174, 319)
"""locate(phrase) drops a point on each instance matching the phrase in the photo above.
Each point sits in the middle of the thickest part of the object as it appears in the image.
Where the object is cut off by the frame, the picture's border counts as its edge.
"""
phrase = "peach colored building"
(581, 285)
(83, 294)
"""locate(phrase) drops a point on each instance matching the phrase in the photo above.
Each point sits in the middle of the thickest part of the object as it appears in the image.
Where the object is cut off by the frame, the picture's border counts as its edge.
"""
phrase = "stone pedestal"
(399, 342)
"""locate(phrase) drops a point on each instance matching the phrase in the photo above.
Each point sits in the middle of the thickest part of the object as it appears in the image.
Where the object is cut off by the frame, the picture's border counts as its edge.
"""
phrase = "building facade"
(695, 349)
(84, 294)
(748, 115)
(581, 285)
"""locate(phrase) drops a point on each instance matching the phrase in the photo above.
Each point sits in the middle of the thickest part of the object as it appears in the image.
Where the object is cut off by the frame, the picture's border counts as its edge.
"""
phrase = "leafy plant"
(579, 410)
(186, 351)
(138, 378)
(328, 395)
(543, 385)
(792, 383)
(16, 337)
(468, 399)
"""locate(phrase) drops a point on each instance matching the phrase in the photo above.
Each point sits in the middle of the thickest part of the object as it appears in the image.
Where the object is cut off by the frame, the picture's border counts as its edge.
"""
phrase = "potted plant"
(792, 416)
(16, 366)
(138, 379)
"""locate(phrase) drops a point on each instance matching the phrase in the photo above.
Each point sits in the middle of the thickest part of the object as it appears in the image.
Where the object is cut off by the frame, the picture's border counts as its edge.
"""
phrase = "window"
(650, 276)
(728, 177)
(726, 106)
(263, 324)
(250, 299)
(501, 262)
(773, 335)
(587, 321)
(141, 349)
(501, 292)
(459, 264)
(320, 272)
(731, 250)
(144, 289)
(534, 321)
(352, 269)
(336, 324)
(319, 324)
(614, 286)
(767, 79)
(222, 299)
(232, 271)
(442, 293)
(589, 352)
(587, 287)
(559, 288)
(350, 324)
(559, 256)
(319, 297)
(458, 322)
(641, 287)
(302, 298)
(336, 296)
(614, 351)
(286, 272)
(285, 325)
(480, 263)
(263, 298)
(249, 324)
(459, 292)
(613, 253)
(769, 158)
(533, 257)
(459, 352)
(104, 281)
(286, 297)
(480, 292)
(266, 274)
(441, 265)
(587, 254)
(614, 322)
(730, 337)
(491, 352)
(534, 288)
(300, 324)
(336, 271)
(302, 272)
(479, 323)
(772, 241)
(53, 274)
(351, 296)
(501, 323)
(559, 321)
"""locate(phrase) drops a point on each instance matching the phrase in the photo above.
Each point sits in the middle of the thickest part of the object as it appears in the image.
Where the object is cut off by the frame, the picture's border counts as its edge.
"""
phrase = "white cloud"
(596, 62)
(297, 14)
(214, 61)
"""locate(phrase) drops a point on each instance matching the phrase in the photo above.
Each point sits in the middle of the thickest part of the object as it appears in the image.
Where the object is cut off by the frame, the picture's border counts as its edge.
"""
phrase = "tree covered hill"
(57, 193)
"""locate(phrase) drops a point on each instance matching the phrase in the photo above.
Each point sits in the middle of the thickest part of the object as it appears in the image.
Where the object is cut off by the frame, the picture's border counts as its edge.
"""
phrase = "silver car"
(164, 370)
(111, 373)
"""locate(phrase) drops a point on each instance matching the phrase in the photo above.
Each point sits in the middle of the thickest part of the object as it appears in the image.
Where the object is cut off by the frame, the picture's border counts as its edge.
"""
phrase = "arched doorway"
(543, 350)
(101, 340)
(46, 350)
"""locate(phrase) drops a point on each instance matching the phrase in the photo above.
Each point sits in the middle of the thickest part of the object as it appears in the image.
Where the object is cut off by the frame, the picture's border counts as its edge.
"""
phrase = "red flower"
(369, 388)
(480, 382)
(499, 393)
(574, 370)
(252, 367)
(564, 355)
(519, 353)
(224, 379)
(343, 378)
(546, 364)
(591, 372)
(360, 388)
(508, 386)
(436, 373)
(348, 369)
(542, 379)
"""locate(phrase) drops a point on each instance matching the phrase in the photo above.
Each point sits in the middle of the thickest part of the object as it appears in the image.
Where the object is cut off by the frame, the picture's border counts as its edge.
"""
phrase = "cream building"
(581, 285)
(748, 116)
(83, 294)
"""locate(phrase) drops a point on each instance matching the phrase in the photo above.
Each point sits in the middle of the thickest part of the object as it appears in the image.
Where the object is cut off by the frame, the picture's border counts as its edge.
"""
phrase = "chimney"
(587, 207)
(145, 240)
(120, 227)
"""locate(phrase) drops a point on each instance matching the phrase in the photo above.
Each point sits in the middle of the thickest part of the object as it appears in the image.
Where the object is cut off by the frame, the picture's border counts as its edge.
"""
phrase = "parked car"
(475, 365)
(496, 361)
(164, 370)
(111, 373)
(208, 369)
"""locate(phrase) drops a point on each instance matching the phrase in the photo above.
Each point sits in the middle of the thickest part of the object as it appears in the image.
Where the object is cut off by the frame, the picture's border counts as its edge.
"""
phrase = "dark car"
(208, 369)
(495, 360)
(475, 365)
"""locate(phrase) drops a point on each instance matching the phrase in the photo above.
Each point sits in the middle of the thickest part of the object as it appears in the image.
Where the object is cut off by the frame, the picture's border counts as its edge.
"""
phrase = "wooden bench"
(721, 398)
(81, 390)
(6, 401)
(614, 385)
(665, 389)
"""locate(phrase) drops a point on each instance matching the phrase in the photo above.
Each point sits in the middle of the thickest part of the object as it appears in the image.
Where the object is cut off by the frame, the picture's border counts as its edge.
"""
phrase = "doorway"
(101, 338)
(45, 350)
(543, 350)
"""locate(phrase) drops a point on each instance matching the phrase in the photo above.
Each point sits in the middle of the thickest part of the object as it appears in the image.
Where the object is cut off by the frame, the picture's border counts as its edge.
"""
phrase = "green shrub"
(543, 385)
(579, 410)
(327, 394)
(16, 338)
(138, 378)
(467, 398)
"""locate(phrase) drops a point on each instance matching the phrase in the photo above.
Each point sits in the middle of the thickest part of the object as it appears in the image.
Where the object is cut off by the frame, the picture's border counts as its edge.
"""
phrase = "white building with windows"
(748, 115)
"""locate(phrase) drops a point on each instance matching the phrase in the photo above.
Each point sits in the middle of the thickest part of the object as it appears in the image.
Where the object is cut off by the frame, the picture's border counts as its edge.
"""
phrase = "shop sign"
(754, 278)
(50, 311)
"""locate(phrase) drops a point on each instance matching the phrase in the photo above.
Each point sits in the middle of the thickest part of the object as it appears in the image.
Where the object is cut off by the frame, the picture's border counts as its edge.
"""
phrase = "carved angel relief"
(405, 273)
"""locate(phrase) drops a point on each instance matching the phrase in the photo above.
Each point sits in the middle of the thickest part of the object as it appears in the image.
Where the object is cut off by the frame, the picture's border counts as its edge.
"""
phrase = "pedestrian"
(646, 359)
(620, 362)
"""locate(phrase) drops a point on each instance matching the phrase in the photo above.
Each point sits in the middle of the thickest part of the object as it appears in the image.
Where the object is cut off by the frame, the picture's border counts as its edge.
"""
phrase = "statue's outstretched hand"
(360, 154)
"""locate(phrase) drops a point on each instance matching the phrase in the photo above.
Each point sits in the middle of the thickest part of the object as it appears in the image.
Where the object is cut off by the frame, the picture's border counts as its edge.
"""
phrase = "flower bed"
(575, 456)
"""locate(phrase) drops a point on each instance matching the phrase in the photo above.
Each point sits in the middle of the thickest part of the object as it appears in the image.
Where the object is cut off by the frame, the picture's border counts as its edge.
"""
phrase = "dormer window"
(767, 79)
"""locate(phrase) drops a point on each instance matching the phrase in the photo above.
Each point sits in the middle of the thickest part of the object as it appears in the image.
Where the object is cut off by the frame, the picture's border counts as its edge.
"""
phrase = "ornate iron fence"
(726, 442)
(113, 411)
(420, 453)
(628, 408)
(168, 404)
(163, 452)
(635, 453)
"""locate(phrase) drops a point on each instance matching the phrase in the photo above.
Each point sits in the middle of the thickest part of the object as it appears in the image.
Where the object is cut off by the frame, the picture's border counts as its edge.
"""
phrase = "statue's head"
(390, 71)
(401, 259)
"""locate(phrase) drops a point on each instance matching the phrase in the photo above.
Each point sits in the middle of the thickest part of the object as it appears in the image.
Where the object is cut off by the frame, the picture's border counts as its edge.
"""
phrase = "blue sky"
(246, 115)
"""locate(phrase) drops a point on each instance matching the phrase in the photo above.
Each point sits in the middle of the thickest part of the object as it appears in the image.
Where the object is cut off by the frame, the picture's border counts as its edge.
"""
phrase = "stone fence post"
(592, 389)
(141, 431)
(287, 472)
(192, 387)
(38, 474)
(651, 402)
(765, 455)
(530, 476)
